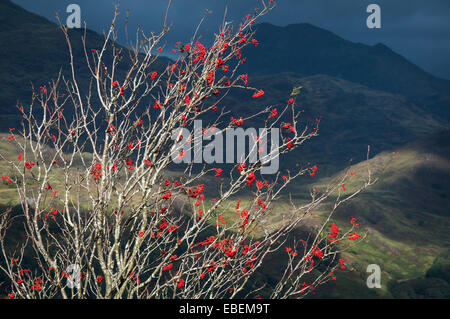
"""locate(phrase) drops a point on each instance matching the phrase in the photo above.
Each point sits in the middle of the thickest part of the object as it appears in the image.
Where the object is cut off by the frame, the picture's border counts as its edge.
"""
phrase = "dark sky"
(417, 29)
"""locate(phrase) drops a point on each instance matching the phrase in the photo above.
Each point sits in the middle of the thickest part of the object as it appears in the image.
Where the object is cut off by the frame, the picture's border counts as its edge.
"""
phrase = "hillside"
(307, 50)
(33, 52)
(406, 218)
(352, 117)
(355, 113)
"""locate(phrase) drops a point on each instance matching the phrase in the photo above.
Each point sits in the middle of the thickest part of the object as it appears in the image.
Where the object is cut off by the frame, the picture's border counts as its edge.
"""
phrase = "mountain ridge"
(352, 116)
(36, 52)
(306, 49)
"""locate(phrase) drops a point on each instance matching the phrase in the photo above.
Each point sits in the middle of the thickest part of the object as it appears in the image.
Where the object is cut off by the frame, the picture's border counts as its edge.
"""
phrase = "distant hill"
(352, 117)
(33, 51)
(308, 50)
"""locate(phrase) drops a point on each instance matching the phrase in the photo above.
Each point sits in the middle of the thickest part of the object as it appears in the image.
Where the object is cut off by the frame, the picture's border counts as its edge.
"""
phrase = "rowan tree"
(104, 214)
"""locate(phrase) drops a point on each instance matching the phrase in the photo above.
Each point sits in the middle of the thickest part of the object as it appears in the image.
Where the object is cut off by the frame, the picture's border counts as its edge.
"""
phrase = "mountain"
(33, 51)
(308, 50)
(352, 117)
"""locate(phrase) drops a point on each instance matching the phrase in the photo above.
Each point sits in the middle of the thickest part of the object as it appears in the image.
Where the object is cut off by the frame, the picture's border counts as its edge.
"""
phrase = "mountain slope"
(352, 117)
(33, 51)
(406, 218)
(308, 50)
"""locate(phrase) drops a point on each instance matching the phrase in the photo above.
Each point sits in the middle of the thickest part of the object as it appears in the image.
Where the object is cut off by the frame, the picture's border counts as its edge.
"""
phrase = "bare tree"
(106, 217)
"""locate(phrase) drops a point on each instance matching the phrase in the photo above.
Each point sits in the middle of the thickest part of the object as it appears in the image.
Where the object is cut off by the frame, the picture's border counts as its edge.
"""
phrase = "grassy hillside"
(406, 218)
(404, 215)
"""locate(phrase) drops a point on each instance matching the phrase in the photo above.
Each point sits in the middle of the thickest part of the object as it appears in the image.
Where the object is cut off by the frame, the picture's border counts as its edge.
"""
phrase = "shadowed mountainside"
(352, 117)
(33, 52)
(307, 50)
